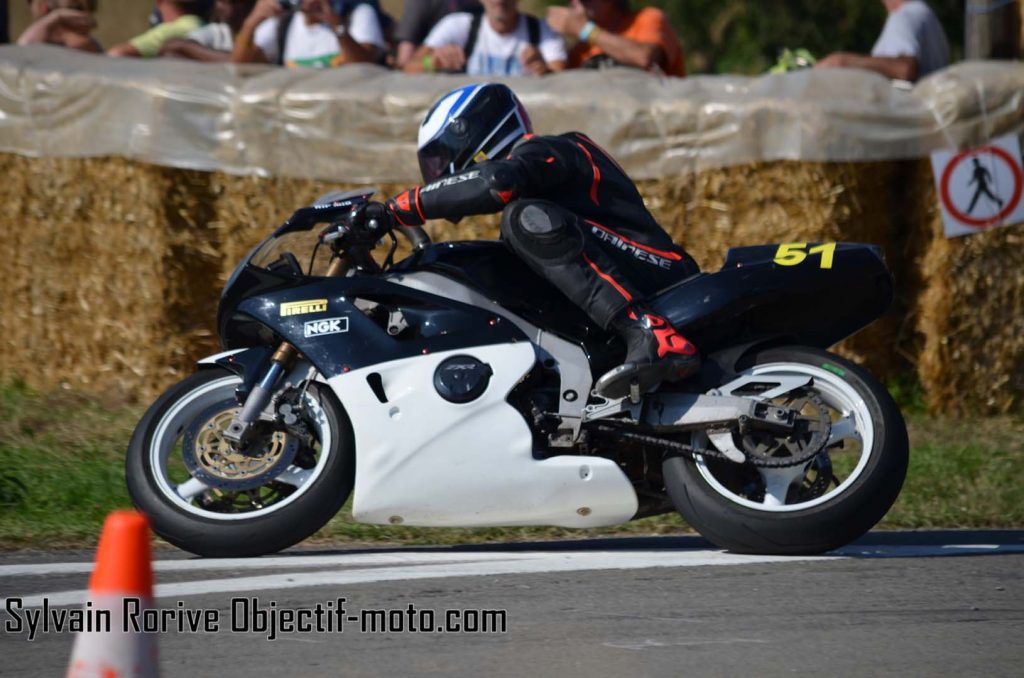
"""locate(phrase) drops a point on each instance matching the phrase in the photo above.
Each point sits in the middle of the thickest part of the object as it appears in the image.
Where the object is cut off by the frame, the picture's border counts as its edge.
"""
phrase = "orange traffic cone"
(122, 587)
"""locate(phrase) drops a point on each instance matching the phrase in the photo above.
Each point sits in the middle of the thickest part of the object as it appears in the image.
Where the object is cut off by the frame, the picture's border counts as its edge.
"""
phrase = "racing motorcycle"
(453, 387)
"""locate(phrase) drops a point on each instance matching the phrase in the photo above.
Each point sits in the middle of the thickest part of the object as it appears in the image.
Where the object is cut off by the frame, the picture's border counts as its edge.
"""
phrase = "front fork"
(239, 431)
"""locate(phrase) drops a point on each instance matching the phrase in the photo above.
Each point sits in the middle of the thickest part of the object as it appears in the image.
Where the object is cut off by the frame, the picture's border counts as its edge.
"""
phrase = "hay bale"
(125, 299)
(713, 210)
(84, 276)
(970, 313)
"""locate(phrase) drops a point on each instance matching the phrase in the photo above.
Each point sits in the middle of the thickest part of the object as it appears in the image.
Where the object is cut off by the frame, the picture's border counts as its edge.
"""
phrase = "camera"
(288, 5)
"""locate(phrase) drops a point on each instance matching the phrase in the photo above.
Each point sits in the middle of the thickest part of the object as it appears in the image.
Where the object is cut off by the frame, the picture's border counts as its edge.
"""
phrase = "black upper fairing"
(355, 336)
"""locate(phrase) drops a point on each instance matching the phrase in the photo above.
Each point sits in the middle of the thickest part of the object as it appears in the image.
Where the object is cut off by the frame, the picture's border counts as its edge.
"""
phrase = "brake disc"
(210, 458)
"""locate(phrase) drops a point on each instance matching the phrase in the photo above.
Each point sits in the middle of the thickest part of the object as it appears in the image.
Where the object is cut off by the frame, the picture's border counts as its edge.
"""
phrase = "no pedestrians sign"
(980, 188)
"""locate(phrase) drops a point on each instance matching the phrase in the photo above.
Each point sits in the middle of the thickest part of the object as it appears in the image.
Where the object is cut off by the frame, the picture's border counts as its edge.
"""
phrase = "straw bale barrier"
(115, 266)
(713, 210)
(970, 313)
(108, 266)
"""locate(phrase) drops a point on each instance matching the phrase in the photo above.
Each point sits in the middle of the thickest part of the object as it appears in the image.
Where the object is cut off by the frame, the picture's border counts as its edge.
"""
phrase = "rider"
(568, 210)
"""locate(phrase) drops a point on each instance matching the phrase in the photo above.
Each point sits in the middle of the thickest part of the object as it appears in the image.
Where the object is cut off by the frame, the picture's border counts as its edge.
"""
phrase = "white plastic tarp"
(359, 123)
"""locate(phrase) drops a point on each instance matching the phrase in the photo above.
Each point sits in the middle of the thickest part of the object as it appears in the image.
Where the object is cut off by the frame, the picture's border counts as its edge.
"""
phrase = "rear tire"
(187, 523)
(721, 500)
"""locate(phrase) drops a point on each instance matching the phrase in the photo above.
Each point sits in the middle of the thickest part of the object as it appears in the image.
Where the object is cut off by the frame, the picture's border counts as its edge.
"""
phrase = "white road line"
(268, 563)
(914, 551)
(518, 563)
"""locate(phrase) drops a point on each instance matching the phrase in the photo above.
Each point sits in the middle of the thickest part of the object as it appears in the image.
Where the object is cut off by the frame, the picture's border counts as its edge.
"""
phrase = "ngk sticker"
(319, 328)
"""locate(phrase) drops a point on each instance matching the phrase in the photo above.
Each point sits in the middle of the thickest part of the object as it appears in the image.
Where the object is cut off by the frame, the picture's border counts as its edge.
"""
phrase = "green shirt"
(150, 42)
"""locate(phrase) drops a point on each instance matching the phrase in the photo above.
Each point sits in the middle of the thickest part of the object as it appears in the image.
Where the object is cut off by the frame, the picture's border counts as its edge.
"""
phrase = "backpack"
(532, 27)
(285, 22)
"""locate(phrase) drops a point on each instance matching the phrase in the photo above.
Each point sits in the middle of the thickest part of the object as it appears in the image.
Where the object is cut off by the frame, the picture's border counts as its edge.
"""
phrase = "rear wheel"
(811, 507)
(204, 497)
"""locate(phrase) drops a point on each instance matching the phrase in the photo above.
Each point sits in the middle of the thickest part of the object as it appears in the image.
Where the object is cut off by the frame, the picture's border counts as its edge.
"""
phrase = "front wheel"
(204, 497)
(812, 507)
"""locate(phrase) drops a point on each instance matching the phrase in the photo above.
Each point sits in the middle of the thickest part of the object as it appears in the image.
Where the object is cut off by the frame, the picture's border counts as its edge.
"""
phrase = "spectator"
(320, 34)
(178, 18)
(214, 41)
(609, 31)
(418, 18)
(501, 41)
(911, 46)
(62, 22)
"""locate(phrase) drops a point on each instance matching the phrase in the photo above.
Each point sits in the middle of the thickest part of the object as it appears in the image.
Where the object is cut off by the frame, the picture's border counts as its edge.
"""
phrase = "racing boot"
(655, 352)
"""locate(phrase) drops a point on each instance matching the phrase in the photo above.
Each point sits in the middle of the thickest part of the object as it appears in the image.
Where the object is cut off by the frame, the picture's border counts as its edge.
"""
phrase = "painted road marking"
(269, 563)
(365, 568)
(509, 563)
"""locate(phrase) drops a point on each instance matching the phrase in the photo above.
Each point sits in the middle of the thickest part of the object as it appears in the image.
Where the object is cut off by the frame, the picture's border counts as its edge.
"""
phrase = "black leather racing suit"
(570, 212)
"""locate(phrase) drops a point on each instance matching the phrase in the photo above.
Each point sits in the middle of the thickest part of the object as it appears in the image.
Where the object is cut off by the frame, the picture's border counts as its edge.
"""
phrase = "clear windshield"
(301, 242)
(301, 245)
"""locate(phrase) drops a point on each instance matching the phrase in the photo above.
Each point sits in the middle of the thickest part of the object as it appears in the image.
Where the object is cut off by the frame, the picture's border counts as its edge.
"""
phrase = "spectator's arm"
(573, 19)
(182, 48)
(429, 60)
(83, 43)
(895, 68)
(124, 49)
(417, 63)
(535, 64)
(358, 52)
(629, 52)
(413, 27)
(442, 48)
(363, 39)
(68, 27)
(245, 50)
(405, 53)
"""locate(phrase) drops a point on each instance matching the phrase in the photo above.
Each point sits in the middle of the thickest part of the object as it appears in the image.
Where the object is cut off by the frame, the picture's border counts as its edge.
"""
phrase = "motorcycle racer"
(568, 210)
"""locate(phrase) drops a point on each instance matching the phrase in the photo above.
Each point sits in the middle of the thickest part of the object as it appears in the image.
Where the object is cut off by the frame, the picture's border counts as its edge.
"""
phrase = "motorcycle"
(454, 388)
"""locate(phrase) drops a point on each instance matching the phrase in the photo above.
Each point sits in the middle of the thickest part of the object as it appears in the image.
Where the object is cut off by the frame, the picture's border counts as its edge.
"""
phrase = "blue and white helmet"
(469, 125)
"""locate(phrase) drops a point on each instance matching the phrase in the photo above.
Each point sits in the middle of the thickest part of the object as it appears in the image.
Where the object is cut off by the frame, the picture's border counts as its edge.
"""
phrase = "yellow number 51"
(792, 253)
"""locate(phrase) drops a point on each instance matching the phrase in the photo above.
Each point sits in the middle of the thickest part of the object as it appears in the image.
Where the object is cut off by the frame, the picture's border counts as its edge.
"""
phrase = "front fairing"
(287, 258)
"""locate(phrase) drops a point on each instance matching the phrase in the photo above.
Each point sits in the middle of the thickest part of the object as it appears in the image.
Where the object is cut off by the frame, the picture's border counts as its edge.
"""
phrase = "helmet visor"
(435, 160)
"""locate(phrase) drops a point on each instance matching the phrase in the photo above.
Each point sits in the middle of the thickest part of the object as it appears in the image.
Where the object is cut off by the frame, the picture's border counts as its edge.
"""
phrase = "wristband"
(428, 63)
(587, 29)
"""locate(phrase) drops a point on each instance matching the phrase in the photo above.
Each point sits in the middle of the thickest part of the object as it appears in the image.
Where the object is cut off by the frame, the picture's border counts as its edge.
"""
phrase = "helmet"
(468, 125)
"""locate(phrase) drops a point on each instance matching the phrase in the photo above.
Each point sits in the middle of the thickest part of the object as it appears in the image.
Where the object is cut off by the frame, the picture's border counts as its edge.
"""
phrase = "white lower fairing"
(421, 460)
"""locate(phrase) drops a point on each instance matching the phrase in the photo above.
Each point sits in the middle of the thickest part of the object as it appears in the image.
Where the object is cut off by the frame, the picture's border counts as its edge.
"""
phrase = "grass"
(62, 461)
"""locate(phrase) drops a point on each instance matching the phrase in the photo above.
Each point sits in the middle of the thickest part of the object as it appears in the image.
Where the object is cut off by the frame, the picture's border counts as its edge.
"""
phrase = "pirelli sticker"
(303, 307)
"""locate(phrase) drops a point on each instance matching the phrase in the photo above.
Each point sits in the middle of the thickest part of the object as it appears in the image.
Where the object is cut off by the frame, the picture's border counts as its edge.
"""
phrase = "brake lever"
(333, 232)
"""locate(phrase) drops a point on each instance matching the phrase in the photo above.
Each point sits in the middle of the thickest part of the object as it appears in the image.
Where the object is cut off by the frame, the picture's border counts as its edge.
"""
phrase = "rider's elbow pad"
(502, 181)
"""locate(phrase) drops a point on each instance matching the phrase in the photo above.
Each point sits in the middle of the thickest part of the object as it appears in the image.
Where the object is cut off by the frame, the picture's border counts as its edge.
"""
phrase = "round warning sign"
(982, 187)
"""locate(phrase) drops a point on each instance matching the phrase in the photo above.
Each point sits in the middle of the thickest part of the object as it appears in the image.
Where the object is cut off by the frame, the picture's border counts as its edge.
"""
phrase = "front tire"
(816, 506)
(213, 522)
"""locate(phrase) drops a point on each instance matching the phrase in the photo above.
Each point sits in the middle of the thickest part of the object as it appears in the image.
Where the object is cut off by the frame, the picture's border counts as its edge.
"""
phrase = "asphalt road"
(893, 604)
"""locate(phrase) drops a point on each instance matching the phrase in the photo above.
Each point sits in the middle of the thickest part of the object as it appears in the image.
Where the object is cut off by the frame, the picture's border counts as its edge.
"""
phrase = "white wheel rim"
(855, 422)
(171, 427)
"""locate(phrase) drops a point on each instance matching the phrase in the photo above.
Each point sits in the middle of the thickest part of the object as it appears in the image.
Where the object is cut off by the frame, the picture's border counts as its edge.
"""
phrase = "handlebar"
(342, 225)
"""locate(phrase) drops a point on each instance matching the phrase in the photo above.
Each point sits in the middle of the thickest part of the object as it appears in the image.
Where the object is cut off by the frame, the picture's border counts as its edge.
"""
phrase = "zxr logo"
(319, 328)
